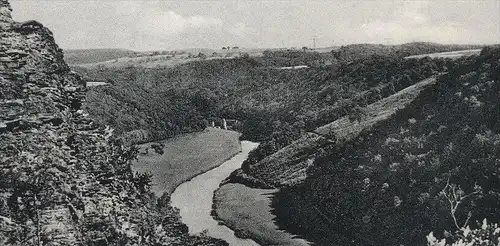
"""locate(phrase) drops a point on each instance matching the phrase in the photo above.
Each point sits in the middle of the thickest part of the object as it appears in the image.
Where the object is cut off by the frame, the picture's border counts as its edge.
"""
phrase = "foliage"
(434, 167)
(356, 52)
(274, 106)
(143, 181)
(485, 234)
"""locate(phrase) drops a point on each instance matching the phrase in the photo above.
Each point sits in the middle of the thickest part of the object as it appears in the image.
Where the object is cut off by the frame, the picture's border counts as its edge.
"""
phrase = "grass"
(186, 156)
(247, 211)
(451, 54)
(289, 165)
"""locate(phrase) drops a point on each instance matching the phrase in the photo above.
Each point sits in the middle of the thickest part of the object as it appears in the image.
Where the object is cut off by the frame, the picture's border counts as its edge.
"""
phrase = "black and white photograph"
(250, 122)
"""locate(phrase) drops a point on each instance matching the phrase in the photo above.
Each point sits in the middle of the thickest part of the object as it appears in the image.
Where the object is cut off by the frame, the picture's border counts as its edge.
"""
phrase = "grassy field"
(451, 54)
(186, 156)
(247, 211)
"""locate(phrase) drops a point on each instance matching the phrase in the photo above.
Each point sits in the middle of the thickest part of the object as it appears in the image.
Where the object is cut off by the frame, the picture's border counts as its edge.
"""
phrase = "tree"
(143, 181)
(202, 56)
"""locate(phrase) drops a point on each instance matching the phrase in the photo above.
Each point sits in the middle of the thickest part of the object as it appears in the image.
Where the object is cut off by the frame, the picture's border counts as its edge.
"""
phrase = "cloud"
(151, 27)
(410, 23)
(154, 24)
(128, 8)
(241, 30)
(171, 23)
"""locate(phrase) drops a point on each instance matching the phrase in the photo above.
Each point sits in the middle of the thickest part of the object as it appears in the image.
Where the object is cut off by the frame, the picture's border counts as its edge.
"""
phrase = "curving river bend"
(194, 199)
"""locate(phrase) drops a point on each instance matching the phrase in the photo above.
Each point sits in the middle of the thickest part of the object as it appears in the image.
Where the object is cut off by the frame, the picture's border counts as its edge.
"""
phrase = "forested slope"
(431, 168)
(162, 102)
(363, 51)
(95, 55)
(357, 192)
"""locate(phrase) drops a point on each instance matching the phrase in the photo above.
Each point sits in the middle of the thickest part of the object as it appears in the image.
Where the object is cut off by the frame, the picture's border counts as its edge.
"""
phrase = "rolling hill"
(389, 176)
(307, 120)
(249, 89)
(83, 56)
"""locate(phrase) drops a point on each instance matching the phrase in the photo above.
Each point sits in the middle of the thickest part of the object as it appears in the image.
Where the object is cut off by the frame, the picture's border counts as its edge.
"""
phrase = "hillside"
(283, 109)
(363, 51)
(161, 102)
(118, 58)
(449, 54)
(387, 175)
(64, 180)
(84, 56)
(289, 165)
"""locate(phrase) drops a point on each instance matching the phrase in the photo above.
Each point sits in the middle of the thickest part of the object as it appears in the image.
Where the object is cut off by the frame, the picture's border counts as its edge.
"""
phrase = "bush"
(143, 181)
(485, 234)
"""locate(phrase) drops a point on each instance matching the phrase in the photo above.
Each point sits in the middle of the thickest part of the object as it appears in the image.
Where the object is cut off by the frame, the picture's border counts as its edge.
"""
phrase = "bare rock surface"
(63, 179)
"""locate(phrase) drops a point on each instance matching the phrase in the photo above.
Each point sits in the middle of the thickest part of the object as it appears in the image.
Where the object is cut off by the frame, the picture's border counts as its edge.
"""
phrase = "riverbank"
(186, 156)
(194, 199)
(248, 212)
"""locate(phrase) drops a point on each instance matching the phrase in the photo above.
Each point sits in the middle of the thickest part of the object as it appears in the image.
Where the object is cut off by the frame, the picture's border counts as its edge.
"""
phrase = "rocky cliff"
(63, 179)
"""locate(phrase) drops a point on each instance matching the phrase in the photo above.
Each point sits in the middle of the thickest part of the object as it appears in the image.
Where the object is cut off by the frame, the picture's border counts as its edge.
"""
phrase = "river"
(194, 199)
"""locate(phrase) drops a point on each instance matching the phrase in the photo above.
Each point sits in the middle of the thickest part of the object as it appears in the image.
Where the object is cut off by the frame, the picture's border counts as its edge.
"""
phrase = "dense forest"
(355, 52)
(433, 168)
(151, 104)
(402, 175)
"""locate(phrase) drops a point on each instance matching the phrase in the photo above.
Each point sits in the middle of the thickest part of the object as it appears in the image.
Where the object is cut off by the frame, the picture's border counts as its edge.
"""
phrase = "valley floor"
(248, 212)
(186, 156)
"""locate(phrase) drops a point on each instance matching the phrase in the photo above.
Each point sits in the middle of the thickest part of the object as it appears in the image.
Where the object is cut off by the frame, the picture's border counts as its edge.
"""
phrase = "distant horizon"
(144, 25)
(264, 48)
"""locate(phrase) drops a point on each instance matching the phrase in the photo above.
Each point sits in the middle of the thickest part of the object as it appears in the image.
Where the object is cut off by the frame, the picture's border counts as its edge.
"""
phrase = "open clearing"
(186, 156)
(451, 54)
(248, 212)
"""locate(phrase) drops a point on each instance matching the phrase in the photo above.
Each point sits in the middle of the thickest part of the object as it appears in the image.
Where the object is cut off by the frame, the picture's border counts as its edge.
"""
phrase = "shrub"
(486, 234)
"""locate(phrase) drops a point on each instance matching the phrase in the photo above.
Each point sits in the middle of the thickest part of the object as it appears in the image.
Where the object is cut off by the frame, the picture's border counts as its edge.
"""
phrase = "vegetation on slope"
(272, 104)
(95, 55)
(276, 107)
(143, 115)
(356, 52)
(433, 168)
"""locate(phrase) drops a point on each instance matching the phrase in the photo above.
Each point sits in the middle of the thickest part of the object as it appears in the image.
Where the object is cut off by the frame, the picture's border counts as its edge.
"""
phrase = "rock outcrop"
(63, 179)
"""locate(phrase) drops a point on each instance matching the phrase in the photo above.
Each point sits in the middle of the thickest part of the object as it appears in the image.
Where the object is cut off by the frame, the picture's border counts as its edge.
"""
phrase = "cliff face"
(63, 179)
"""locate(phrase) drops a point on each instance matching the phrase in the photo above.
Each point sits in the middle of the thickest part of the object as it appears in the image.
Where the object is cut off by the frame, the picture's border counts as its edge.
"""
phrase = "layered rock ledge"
(63, 179)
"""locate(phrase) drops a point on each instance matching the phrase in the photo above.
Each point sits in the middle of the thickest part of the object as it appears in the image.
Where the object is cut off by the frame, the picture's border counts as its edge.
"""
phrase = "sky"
(169, 25)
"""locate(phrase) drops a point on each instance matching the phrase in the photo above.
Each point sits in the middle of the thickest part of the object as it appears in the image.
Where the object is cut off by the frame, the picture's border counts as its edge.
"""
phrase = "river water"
(194, 199)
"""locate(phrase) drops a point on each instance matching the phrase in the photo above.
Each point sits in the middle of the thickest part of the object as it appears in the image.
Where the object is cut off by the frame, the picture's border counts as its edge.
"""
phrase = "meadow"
(248, 212)
(185, 156)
